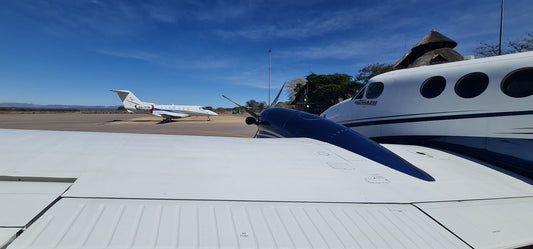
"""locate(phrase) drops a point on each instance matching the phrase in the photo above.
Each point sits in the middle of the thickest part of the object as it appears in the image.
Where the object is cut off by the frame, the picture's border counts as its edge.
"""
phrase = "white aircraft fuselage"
(135, 105)
(482, 108)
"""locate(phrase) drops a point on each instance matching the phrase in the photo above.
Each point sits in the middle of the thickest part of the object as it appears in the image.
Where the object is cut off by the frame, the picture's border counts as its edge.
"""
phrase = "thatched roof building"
(434, 48)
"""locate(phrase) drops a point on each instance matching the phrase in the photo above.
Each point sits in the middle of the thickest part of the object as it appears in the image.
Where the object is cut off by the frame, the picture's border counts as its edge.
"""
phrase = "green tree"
(255, 106)
(328, 94)
(328, 79)
(331, 88)
(251, 103)
(366, 73)
(328, 89)
(220, 110)
(323, 90)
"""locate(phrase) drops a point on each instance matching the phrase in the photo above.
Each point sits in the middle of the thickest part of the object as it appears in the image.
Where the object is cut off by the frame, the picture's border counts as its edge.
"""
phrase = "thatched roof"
(437, 56)
(434, 40)
(434, 48)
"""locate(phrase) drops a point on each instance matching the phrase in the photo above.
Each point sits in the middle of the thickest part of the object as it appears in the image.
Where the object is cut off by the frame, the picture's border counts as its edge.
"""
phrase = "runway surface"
(222, 125)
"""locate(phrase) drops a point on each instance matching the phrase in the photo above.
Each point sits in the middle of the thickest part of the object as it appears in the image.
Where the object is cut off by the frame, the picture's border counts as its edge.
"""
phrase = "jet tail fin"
(128, 98)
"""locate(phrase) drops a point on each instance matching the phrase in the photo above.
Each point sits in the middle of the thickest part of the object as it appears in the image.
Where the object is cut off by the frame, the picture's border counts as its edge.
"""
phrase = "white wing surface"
(104, 190)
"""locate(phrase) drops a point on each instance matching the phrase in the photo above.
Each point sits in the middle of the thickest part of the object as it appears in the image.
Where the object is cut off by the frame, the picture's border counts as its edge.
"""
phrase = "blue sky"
(193, 51)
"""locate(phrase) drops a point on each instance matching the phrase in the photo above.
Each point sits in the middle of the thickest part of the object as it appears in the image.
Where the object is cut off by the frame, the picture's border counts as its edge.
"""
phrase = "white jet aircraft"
(320, 186)
(168, 112)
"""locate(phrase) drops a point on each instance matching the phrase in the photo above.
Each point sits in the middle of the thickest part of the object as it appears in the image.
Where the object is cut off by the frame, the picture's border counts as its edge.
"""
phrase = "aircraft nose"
(213, 113)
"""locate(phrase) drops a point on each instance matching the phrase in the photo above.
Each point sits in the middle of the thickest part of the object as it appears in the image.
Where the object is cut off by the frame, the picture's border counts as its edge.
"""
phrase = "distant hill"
(57, 107)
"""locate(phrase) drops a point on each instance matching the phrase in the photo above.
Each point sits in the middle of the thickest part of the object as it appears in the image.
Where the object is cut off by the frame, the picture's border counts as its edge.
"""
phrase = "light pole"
(269, 69)
(501, 30)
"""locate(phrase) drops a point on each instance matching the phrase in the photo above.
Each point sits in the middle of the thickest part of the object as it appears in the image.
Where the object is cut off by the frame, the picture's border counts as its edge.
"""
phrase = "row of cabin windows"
(468, 86)
(517, 84)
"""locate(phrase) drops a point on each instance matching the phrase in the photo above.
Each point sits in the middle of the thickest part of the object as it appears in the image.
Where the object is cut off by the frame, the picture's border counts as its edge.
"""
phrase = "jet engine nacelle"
(281, 122)
(144, 107)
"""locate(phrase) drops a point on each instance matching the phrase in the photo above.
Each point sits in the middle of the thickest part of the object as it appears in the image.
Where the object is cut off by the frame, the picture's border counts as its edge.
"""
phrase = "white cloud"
(294, 29)
(344, 50)
(203, 63)
(145, 56)
(315, 24)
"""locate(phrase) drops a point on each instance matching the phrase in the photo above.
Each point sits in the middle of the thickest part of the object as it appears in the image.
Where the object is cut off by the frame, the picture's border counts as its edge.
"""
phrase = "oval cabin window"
(472, 85)
(374, 90)
(433, 87)
(518, 84)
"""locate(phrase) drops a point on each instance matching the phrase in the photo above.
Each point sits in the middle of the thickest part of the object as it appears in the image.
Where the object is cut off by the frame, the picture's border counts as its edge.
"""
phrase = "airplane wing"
(105, 190)
(169, 114)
